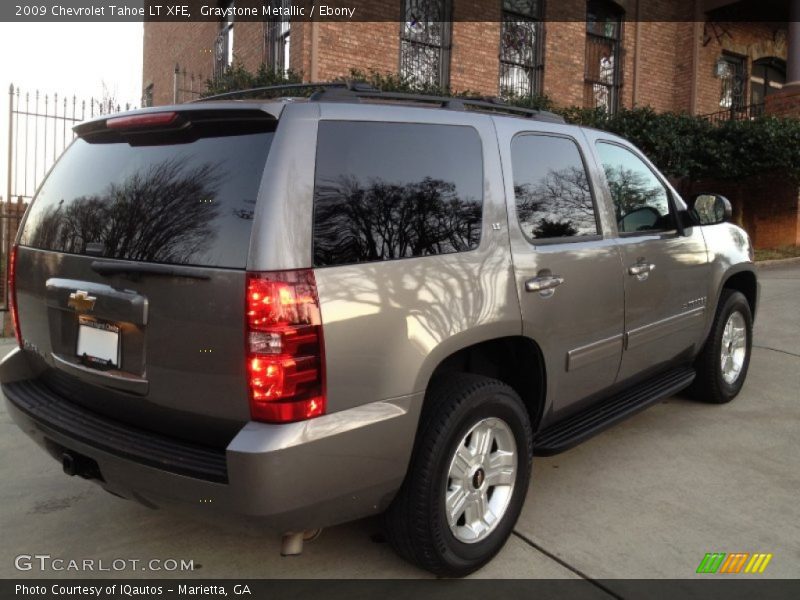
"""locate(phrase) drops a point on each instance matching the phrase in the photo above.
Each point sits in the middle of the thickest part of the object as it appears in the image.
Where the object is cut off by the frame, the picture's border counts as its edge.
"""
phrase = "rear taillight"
(12, 293)
(285, 360)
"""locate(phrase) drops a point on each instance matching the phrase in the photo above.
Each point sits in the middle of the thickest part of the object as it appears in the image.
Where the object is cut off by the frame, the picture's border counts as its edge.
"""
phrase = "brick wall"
(785, 103)
(190, 45)
(300, 40)
(248, 44)
(12, 212)
(357, 45)
(167, 44)
(475, 53)
(655, 54)
(564, 52)
(767, 207)
(564, 55)
(687, 34)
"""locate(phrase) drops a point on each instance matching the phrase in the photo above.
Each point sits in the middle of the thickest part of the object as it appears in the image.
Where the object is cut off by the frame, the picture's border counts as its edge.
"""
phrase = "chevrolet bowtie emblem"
(81, 301)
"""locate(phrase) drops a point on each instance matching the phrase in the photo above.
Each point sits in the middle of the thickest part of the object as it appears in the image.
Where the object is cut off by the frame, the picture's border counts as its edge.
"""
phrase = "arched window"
(766, 77)
(603, 45)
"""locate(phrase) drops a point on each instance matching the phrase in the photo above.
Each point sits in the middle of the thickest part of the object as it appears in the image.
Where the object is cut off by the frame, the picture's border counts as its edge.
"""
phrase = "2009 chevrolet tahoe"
(313, 310)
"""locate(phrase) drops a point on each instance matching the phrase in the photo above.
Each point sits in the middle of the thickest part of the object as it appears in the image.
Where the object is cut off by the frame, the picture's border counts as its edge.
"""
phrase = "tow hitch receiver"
(83, 466)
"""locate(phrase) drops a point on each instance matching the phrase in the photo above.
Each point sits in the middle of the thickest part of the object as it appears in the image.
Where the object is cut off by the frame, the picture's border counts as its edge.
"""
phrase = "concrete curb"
(778, 262)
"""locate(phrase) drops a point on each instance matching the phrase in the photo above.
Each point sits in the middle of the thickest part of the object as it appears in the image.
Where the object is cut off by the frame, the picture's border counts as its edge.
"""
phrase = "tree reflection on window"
(355, 222)
(152, 215)
(552, 191)
(187, 202)
(385, 191)
(640, 200)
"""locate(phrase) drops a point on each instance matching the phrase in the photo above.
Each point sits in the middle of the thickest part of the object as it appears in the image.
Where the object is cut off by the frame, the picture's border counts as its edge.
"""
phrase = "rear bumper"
(316, 473)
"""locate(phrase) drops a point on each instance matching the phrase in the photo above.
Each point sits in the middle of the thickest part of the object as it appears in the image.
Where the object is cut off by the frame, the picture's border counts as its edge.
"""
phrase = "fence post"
(175, 84)
(10, 138)
(5, 233)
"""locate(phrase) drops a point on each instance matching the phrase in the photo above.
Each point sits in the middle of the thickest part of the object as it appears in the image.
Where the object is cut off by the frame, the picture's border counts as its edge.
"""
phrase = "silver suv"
(314, 310)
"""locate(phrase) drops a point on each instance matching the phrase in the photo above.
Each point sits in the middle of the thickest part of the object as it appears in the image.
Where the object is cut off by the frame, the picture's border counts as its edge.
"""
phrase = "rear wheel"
(468, 477)
(722, 363)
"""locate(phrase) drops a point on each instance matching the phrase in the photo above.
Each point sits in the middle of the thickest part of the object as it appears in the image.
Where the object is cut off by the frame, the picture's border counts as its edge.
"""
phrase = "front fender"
(730, 253)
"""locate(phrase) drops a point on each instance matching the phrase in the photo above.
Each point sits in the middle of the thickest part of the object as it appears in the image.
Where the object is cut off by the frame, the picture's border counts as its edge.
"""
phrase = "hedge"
(681, 145)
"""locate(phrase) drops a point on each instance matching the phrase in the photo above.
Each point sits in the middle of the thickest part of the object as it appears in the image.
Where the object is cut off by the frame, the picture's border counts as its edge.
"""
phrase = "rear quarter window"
(386, 191)
(188, 203)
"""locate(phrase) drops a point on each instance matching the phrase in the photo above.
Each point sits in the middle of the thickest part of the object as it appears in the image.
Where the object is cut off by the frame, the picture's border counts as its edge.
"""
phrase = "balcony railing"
(739, 113)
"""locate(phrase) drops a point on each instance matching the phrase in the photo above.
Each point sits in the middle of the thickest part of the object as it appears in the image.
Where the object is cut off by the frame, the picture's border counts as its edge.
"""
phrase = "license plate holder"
(98, 343)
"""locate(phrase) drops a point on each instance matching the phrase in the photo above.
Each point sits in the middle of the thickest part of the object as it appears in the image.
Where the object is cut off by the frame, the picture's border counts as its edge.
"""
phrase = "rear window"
(385, 191)
(189, 203)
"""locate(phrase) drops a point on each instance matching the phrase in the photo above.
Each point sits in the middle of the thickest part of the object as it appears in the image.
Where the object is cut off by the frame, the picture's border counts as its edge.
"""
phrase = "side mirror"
(710, 209)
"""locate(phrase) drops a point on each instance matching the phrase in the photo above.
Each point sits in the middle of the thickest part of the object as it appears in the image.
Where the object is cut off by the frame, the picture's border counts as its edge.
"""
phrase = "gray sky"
(68, 58)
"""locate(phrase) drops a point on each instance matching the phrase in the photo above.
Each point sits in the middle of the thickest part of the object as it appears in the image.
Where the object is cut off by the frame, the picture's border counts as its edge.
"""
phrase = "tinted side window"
(551, 188)
(384, 191)
(641, 202)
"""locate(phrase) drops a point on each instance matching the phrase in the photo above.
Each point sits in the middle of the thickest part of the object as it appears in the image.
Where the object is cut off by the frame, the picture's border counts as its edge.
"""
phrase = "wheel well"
(744, 282)
(516, 361)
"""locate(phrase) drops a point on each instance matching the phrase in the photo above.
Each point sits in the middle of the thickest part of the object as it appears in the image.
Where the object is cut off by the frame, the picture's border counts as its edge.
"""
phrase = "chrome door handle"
(545, 285)
(641, 270)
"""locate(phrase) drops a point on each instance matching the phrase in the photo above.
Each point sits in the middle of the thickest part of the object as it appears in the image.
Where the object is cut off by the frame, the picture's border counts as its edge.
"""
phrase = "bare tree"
(153, 215)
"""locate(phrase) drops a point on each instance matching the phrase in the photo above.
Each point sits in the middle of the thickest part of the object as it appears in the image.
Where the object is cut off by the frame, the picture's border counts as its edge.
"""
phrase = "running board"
(575, 429)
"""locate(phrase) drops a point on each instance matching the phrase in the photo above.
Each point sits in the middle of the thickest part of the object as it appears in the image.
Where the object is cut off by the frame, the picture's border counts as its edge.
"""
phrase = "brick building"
(676, 55)
(673, 55)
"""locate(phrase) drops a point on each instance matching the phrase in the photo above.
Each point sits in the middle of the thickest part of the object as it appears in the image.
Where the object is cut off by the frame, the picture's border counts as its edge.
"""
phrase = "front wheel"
(723, 362)
(468, 476)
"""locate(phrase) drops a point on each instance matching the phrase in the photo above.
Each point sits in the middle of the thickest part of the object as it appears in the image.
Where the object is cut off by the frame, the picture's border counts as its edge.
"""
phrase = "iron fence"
(39, 130)
(187, 86)
(737, 113)
(10, 217)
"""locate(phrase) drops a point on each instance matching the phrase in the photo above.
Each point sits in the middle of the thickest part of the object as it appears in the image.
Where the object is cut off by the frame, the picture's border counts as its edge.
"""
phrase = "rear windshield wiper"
(113, 268)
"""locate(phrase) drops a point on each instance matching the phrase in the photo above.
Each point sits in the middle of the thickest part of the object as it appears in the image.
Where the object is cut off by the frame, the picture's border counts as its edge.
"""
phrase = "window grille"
(277, 38)
(732, 82)
(603, 55)
(425, 42)
(521, 48)
(223, 44)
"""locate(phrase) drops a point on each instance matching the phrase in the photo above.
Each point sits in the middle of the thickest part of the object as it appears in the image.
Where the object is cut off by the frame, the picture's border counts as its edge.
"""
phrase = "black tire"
(416, 521)
(710, 385)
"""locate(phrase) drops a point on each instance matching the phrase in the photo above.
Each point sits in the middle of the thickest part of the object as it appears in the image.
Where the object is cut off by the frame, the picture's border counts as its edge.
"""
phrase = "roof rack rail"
(289, 87)
(490, 104)
(349, 91)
